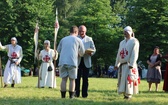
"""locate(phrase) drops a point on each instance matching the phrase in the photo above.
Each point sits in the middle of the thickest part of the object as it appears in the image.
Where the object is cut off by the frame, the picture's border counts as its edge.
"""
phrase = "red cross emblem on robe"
(14, 55)
(134, 70)
(46, 58)
(123, 53)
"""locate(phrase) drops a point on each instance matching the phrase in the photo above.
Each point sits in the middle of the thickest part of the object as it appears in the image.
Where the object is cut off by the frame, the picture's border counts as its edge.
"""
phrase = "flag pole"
(36, 41)
(36, 64)
(55, 41)
(1, 72)
(56, 29)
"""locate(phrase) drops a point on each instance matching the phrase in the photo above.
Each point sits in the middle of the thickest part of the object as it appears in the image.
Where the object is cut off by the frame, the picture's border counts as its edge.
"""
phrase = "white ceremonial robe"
(127, 56)
(12, 71)
(47, 78)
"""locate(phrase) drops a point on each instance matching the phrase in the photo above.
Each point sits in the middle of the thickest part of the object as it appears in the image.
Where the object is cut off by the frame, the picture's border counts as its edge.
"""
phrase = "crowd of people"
(106, 71)
(75, 52)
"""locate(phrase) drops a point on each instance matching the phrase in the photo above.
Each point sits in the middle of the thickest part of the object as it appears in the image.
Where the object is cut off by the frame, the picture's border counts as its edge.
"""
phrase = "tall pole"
(55, 40)
(56, 29)
(36, 51)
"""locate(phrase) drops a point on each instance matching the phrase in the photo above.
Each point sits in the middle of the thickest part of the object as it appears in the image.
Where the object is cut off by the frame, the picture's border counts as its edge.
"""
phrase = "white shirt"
(69, 48)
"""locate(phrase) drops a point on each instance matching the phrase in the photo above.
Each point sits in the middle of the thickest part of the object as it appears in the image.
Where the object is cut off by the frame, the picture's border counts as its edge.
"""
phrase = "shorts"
(68, 71)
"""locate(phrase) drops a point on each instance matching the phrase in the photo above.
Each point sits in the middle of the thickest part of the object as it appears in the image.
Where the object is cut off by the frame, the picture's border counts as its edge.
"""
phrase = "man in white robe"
(12, 73)
(126, 64)
(47, 77)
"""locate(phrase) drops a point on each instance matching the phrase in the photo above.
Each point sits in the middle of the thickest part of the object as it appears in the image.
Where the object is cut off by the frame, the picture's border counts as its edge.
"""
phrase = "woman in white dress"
(12, 73)
(47, 72)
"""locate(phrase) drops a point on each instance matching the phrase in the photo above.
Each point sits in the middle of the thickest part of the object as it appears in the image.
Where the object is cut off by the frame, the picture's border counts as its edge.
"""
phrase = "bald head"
(82, 31)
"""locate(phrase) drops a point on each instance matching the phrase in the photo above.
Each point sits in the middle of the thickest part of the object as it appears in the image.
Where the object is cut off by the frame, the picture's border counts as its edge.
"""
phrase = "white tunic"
(128, 53)
(12, 71)
(47, 78)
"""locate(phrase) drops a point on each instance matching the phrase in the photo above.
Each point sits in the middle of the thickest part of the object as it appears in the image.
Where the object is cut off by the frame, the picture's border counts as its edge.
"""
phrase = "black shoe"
(12, 85)
(63, 94)
(127, 98)
(76, 95)
(50, 87)
(71, 94)
(5, 85)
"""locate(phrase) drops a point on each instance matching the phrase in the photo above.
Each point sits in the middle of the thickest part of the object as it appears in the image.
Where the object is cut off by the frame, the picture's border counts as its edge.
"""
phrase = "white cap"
(14, 38)
(47, 41)
(129, 30)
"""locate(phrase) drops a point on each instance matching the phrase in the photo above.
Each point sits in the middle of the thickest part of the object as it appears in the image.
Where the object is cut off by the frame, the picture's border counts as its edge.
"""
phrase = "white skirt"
(47, 78)
(12, 73)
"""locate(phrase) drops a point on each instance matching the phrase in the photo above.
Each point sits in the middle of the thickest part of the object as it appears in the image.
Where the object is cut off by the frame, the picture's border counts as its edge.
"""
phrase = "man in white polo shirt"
(69, 48)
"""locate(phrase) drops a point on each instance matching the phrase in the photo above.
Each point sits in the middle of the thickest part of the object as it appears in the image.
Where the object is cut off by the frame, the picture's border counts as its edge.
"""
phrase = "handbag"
(50, 68)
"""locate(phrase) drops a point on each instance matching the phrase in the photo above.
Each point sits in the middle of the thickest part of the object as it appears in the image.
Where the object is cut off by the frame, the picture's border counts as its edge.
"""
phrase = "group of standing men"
(75, 53)
(75, 61)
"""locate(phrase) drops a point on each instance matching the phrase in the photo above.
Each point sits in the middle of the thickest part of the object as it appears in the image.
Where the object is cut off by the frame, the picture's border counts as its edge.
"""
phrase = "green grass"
(102, 91)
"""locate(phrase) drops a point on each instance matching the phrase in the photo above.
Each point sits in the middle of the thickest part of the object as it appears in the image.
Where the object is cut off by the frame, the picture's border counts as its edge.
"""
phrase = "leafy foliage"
(149, 18)
(104, 20)
(18, 19)
(101, 25)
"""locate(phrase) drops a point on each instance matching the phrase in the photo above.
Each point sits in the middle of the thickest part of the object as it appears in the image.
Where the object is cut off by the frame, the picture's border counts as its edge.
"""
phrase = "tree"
(101, 24)
(18, 18)
(66, 10)
(149, 19)
(119, 7)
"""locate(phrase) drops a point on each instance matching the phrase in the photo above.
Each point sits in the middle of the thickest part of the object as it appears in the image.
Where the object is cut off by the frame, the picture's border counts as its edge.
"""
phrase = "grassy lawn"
(102, 91)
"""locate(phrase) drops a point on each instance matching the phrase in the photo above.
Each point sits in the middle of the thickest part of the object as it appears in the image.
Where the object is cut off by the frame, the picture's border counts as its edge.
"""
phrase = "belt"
(12, 58)
(123, 63)
(12, 61)
(46, 62)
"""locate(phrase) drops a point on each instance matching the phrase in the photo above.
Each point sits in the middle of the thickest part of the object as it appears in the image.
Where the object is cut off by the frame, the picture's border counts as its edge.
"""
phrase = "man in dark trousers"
(84, 62)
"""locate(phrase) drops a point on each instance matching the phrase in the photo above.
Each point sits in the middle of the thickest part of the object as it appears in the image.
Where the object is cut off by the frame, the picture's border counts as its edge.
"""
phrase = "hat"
(129, 30)
(14, 38)
(47, 41)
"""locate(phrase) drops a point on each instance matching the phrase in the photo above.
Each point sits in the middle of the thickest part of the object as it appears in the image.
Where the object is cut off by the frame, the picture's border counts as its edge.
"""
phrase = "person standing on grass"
(12, 73)
(165, 84)
(47, 74)
(154, 68)
(126, 64)
(69, 48)
(84, 62)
